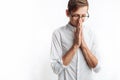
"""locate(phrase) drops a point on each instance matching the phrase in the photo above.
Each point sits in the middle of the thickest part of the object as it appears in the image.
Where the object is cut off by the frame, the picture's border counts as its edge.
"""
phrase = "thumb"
(74, 30)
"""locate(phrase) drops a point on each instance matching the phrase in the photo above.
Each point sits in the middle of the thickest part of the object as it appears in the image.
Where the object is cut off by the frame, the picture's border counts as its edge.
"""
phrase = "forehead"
(81, 10)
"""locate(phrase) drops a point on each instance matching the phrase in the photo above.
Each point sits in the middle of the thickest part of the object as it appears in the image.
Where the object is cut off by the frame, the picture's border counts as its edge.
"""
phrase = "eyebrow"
(79, 14)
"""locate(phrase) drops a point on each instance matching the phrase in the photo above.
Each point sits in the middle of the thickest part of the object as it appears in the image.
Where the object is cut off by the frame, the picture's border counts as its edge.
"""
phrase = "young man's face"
(79, 16)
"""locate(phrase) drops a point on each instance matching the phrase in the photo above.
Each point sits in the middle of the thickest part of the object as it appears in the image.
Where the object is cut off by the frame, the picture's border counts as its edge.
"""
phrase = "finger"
(79, 32)
(74, 31)
(80, 29)
(77, 28)
(78, 24)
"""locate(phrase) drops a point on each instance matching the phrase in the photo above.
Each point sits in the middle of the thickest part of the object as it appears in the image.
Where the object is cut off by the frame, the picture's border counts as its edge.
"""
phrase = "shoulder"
(89, 30)
(59, 30)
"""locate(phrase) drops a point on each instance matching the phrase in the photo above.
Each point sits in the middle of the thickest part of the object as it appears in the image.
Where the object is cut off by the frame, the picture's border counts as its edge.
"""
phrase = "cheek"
(73, 20)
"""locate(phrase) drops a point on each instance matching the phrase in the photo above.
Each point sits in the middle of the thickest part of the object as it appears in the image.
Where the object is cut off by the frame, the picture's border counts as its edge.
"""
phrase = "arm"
(71, 52)
(69, 55)
(58, 61)
(89, 57)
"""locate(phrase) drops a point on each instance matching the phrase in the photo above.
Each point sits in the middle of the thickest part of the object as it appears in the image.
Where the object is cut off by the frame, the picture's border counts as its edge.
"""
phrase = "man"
(74, 52)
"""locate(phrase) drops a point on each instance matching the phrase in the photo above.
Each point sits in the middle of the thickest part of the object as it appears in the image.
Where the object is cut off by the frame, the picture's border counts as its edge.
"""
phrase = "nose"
(79, 19)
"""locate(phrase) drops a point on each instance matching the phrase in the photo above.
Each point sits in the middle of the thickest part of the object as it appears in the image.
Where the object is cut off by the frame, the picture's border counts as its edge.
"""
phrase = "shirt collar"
(72, 28)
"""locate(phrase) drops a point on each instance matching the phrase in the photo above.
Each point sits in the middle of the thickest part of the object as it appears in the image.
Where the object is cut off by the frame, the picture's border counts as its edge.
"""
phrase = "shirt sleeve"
(56, 54)
(96, 52)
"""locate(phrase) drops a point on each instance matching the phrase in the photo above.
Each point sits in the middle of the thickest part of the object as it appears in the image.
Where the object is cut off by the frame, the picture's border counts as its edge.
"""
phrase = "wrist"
(83, 44)
(75, 46)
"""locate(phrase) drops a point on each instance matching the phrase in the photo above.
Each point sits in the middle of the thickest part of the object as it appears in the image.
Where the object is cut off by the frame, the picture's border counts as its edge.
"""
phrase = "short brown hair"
(73, 5)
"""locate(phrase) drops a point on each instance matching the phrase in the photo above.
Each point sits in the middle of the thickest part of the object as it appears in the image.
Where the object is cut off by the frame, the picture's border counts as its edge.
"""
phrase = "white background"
(26, 27)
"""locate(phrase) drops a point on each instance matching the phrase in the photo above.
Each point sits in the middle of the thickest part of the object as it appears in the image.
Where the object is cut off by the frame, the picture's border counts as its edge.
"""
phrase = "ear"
(67, 13)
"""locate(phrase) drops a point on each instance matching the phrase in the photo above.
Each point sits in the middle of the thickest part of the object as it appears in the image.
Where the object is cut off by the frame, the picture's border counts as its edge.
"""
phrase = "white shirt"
(62, 40)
